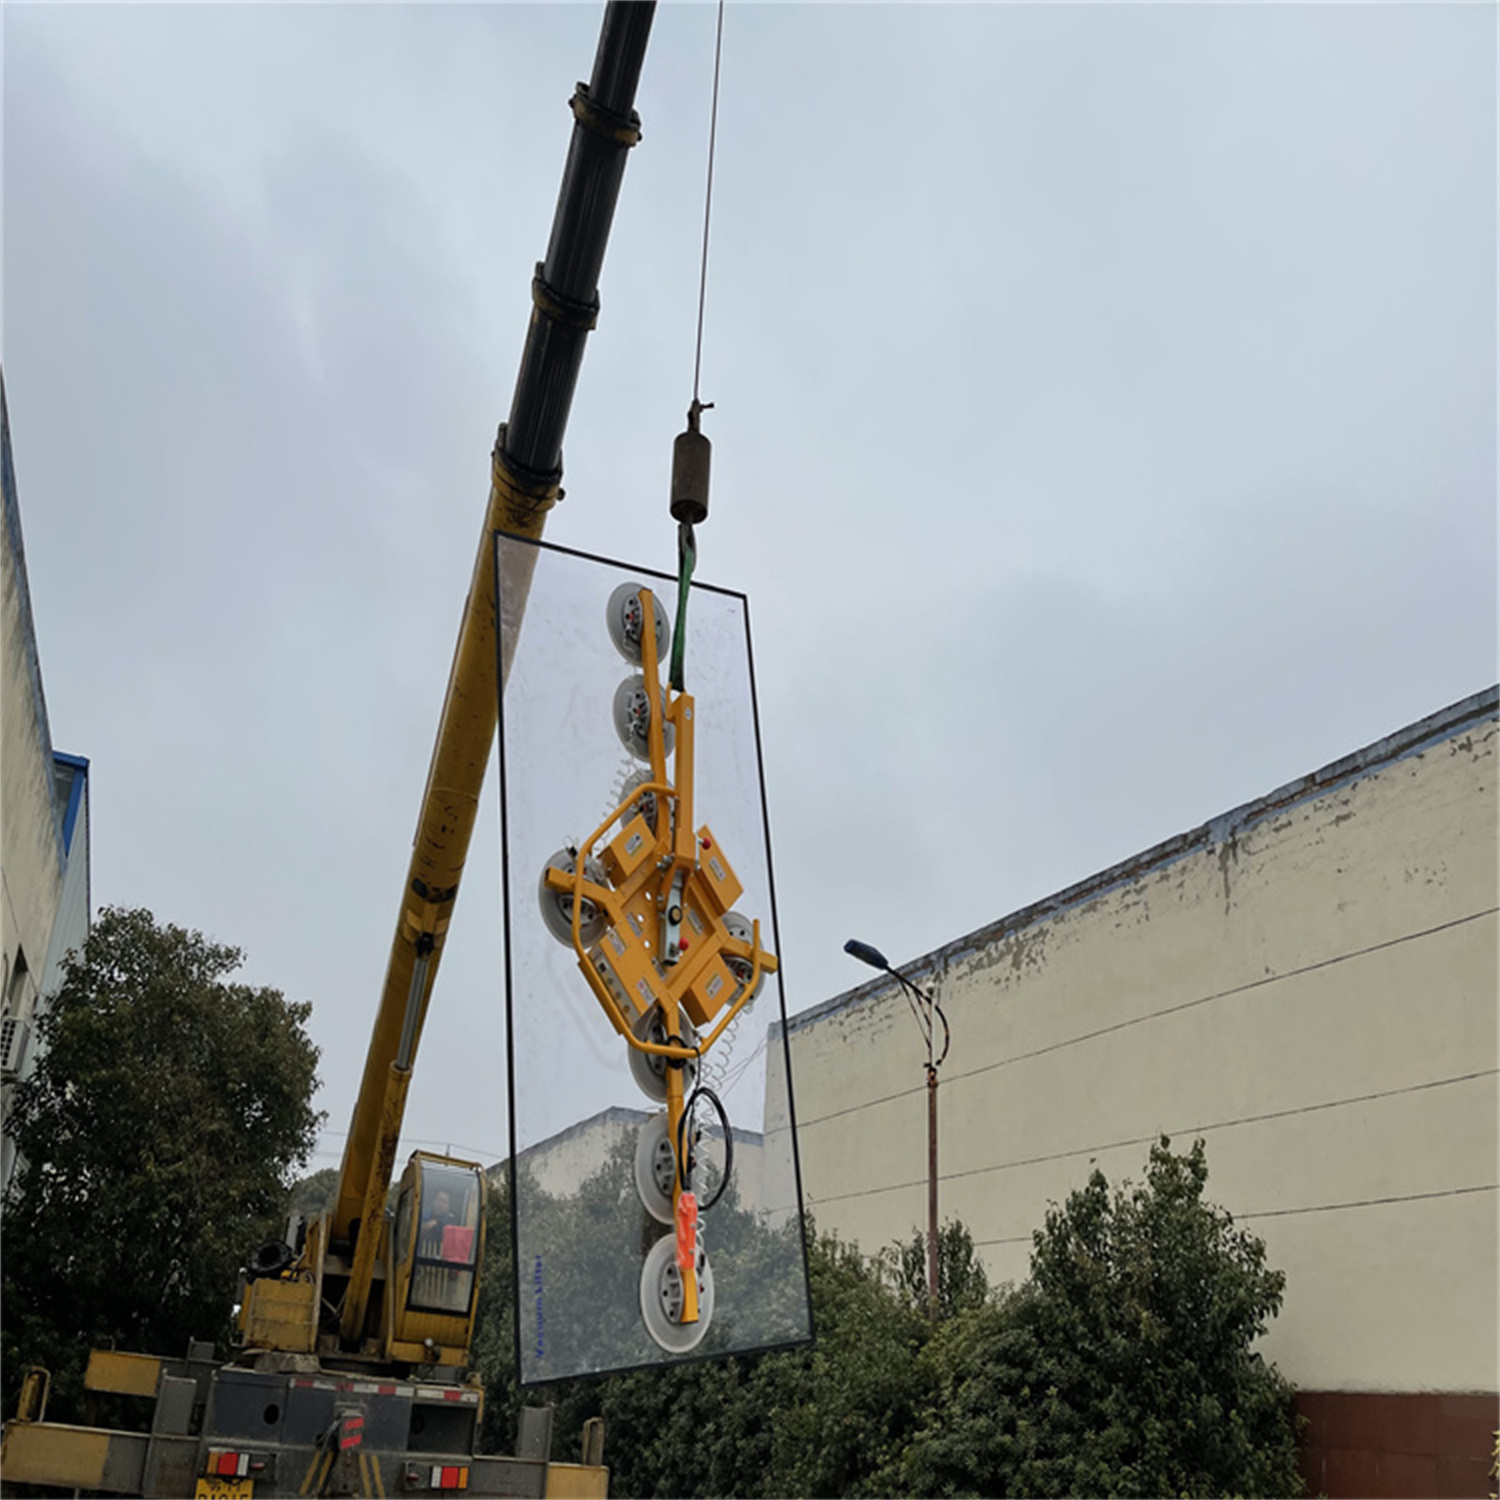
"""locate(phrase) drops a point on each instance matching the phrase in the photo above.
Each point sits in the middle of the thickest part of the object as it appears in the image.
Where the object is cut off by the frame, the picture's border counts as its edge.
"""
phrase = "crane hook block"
(690, 459)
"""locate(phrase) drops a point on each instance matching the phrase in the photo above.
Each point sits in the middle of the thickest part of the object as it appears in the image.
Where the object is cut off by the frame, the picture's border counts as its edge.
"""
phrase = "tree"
(156, 1137)
(493, 1351)
(1125, 1365)
(962, 1282)
(812, 1421)
(315, 1194)
(806, 1421)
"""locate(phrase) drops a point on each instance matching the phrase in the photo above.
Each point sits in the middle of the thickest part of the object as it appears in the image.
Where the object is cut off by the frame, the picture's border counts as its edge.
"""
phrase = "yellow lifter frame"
(673, 882)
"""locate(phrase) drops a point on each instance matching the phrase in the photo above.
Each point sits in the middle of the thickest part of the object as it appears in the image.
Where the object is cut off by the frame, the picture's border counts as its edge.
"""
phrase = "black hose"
(685, 1179)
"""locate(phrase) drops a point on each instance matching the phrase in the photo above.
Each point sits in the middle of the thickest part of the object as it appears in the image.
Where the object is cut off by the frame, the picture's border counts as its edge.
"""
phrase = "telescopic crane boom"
(350, 1377)
(526, 475)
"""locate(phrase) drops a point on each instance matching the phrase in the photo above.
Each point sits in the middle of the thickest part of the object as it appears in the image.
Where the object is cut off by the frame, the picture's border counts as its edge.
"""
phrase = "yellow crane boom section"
(525, 482)
(466, 733)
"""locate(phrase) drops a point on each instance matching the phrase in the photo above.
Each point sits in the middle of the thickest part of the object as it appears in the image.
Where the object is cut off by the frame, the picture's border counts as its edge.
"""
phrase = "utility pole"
(932, 1182)
(926, 1010)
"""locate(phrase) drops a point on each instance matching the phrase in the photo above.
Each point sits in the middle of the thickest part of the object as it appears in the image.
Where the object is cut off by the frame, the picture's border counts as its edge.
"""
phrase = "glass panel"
(658, 922)
(447, 1239)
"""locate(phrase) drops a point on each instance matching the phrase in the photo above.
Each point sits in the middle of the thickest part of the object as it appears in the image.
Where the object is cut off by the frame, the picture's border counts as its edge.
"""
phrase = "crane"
(355, 1332)
(526, 481)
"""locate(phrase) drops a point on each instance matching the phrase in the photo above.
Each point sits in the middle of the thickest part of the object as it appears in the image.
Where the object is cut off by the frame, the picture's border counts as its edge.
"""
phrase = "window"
(15, 986)
(447, 1240)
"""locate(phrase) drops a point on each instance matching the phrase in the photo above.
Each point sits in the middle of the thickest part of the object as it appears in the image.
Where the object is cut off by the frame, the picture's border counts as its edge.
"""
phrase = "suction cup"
(625, 617)
(632, 712)
(656, 1167)
(661, 1298)
(649, 1069)
(645, 805)
(743, 930)
(557, 906)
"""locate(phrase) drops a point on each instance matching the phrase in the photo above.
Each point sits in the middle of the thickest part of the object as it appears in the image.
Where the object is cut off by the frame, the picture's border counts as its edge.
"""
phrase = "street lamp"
(924, 1008)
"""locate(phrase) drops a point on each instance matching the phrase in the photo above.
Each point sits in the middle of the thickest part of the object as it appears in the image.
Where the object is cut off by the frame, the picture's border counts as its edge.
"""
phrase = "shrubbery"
(1122, 1366)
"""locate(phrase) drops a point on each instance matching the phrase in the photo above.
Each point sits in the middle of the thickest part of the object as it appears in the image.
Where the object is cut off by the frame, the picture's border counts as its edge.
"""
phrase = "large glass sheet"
(668, 930)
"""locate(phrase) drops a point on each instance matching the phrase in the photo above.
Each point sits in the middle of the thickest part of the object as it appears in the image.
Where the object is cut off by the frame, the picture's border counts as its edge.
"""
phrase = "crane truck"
(353, 1334)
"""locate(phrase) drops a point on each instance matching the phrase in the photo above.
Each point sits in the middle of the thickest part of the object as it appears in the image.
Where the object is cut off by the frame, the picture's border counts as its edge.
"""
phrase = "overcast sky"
(1104, 434)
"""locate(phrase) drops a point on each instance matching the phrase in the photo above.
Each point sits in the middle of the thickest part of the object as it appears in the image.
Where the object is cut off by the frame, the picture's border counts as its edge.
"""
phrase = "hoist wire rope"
(708, 198)
(687, 545)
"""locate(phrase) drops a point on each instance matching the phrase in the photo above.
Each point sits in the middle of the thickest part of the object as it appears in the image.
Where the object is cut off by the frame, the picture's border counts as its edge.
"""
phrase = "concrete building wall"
(44, 859)
(560, 1164)
(31, 859)
(1308, 982)
(31, 863)
(70, 924)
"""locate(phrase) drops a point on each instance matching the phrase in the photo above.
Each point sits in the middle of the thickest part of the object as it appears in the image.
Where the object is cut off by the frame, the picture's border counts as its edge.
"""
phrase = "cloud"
(1104, 433)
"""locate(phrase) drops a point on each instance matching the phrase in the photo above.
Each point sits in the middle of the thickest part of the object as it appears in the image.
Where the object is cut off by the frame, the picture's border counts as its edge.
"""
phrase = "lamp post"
(920, 1000)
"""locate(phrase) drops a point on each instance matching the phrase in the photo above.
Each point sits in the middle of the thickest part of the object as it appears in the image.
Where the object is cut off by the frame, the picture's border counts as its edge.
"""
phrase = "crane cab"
(436, 1245)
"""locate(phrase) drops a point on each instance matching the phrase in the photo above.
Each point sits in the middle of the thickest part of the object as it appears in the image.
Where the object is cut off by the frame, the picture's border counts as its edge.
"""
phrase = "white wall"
(44, 856)
(560, 1164)
(1309, 983)
(31, 863)
(31, 869)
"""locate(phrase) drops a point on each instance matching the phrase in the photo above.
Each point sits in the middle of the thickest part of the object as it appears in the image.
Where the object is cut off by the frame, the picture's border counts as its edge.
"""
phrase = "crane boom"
(526, 476)
(353, 1345)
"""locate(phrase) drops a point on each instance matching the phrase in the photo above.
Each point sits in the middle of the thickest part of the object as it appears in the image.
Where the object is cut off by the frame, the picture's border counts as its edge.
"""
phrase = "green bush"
(1122, 1366)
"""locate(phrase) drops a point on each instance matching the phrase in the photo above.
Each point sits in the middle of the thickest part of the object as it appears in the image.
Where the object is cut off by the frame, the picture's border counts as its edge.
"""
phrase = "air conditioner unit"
(14, 1035)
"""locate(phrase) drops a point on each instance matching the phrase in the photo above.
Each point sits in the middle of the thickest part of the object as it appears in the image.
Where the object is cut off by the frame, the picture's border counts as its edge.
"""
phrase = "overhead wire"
(1098, 1148)
(733, 1076)
(1309, 1208)
(408, 1143)
(1170, 1010)
(1238, 989)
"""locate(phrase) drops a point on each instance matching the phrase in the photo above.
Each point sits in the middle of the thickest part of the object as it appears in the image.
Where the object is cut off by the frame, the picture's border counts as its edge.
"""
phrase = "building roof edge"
(1447, 723)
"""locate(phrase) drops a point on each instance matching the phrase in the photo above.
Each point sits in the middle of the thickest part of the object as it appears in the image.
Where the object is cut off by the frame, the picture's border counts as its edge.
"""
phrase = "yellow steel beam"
(577, 1482)
(460, 757)
(81, 1458)
(122, 1374)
